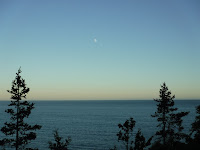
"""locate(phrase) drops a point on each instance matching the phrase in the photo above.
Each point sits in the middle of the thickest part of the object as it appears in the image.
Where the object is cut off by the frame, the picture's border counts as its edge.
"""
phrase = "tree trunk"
(17, 134)
(17, 130)
(164, 126)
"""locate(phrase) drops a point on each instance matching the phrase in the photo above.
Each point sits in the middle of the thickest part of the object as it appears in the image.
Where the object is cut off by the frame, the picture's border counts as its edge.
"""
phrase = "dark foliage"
(170, 122)
(19, 133)
(59, 144)
(193, 140)
(140, 141)
(196, 126)
(114, 148)
(179, 146)
(126, 132)
(126, 136)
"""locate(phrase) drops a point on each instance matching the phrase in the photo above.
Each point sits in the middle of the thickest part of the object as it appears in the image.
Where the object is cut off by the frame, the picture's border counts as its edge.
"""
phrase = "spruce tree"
(18, 133)
(169, 122)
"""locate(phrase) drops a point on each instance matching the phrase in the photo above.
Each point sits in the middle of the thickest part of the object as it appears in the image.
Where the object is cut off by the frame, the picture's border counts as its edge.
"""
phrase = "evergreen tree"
(19, 133)
(169, 121)
(196, 126)
(59, 145)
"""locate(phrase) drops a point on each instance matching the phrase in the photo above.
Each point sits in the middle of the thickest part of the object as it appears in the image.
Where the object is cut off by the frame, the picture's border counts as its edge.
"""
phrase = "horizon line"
(97, 99)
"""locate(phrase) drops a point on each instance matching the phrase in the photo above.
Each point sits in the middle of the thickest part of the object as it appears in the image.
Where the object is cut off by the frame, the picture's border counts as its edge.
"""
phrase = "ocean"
(93, 124)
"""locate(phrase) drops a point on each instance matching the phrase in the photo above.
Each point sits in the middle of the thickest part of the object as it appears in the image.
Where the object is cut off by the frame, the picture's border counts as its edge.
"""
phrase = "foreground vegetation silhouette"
(19, 133)
(196, 126)
(125, 135)
(169, 122)
(193, 139)
(169, 136)
(140, 141)
(59, 144)
(126, 132)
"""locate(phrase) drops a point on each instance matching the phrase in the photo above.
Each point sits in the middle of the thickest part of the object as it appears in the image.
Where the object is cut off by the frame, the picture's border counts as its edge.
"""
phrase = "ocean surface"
(94, 124)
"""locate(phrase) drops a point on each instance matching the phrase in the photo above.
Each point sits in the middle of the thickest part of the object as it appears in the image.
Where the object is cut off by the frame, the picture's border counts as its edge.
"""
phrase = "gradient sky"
(106, 49)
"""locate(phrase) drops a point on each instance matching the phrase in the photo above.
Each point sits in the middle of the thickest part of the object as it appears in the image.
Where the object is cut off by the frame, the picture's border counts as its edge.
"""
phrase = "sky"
(100, 50)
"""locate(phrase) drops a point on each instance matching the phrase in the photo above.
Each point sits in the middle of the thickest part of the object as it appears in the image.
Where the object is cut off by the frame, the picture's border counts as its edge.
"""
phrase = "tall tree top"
(18, 89)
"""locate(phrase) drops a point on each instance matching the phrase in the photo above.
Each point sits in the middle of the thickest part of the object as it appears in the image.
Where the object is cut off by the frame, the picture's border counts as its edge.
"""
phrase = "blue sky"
(101, 49)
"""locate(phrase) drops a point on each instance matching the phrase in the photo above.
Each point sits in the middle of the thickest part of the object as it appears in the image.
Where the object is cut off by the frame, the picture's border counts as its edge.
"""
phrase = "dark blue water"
(94, 124)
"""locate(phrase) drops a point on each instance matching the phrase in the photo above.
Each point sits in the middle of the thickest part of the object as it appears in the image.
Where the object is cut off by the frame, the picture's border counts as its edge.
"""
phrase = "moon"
(95, 40)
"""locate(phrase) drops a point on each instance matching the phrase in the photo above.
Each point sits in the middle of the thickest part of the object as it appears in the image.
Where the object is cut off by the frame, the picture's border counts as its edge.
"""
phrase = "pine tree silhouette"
(169, 121)
(19, 133)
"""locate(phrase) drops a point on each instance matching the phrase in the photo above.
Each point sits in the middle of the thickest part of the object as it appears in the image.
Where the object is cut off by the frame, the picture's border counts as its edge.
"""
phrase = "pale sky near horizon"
(106, 49)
